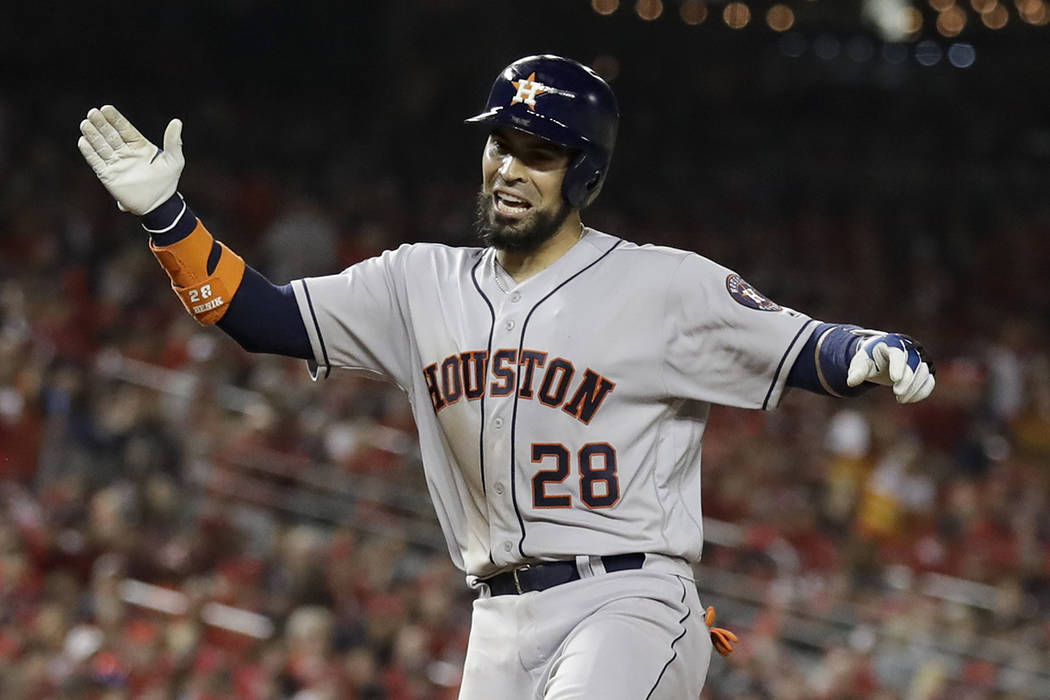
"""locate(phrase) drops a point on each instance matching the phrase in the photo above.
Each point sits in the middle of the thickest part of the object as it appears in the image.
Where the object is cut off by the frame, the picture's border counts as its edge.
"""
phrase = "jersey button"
(509, 325)
(498, 423)
(507, 546)
(515, 297)
(499, 488)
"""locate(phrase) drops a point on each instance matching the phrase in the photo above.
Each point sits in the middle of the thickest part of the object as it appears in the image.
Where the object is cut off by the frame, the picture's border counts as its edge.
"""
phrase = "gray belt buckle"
(517, 583)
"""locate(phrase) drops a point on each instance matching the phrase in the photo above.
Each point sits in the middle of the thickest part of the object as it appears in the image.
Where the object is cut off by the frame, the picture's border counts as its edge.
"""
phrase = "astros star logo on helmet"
(529, 90)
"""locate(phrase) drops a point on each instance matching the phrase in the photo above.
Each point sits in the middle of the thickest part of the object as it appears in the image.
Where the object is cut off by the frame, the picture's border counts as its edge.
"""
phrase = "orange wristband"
(205, 293)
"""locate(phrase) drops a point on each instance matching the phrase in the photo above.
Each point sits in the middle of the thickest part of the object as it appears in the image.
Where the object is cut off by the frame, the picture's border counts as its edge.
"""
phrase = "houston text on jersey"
(467, 375)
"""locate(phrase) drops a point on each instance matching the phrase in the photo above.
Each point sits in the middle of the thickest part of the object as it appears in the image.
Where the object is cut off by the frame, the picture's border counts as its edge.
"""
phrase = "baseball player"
(560, 378)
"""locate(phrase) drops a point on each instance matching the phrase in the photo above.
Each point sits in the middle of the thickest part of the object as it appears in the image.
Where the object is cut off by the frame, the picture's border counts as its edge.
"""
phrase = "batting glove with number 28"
(893, 359)
(139, 175)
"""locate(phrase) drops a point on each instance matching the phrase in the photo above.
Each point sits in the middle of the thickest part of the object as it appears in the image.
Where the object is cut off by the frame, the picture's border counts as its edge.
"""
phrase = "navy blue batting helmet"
(566, 103)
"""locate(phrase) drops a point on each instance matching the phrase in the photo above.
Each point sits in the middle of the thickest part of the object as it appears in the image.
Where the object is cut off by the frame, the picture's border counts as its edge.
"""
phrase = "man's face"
(520, 205)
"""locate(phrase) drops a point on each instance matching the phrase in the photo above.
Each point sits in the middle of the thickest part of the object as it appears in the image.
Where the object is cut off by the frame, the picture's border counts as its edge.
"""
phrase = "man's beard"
(516, 235)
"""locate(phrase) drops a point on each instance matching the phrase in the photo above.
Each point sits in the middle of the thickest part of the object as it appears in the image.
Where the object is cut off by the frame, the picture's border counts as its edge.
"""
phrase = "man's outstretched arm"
(212, 281)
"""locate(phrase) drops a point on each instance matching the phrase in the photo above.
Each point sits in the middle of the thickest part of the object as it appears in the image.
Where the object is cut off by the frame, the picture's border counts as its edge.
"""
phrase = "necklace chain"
(496, 267)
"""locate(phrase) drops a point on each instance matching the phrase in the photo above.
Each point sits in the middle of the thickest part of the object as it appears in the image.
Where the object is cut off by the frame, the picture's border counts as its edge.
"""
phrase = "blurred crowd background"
(181, 519)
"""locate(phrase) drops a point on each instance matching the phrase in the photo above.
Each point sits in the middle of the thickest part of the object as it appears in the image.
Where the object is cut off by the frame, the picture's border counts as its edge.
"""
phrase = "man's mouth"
(509, 205)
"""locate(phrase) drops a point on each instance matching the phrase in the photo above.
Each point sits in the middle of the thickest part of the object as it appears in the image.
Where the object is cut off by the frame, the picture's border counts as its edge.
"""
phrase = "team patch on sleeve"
(748, 296)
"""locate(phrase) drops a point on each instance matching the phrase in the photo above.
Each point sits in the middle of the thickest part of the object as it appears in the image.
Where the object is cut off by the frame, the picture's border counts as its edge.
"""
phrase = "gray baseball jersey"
(565, 415)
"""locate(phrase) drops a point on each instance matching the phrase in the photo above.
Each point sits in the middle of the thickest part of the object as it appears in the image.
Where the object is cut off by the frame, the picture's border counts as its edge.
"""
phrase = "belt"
(544, 575)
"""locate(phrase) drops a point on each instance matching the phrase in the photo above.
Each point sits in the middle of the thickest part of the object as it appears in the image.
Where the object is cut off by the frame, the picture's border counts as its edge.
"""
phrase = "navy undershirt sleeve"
(265, 318)
(262, 316)
(827, 354)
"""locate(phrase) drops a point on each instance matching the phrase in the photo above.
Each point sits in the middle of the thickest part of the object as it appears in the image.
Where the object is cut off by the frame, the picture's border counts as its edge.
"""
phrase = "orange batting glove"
(722, 638)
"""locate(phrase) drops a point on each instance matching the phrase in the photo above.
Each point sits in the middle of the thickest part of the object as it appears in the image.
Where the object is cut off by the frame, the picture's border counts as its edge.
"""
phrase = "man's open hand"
(139, 175)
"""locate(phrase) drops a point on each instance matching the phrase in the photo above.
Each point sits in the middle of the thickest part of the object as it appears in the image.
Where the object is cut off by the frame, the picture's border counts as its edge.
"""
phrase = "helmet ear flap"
(583, 180)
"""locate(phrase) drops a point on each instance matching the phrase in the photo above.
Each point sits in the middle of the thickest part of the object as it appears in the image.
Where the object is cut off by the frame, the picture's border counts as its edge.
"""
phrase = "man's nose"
(511, 169)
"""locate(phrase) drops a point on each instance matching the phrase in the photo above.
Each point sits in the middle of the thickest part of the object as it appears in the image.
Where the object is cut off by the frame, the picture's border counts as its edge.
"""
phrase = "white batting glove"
(893, 359)
(139, 175)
